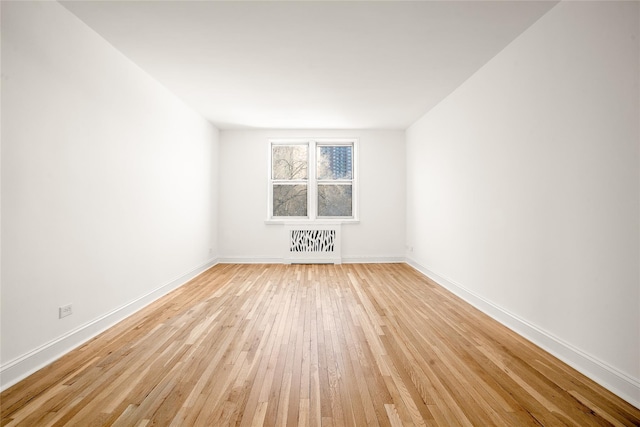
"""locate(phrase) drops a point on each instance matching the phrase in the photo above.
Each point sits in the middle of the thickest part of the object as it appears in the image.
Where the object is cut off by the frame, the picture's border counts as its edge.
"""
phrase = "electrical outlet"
(64, 311)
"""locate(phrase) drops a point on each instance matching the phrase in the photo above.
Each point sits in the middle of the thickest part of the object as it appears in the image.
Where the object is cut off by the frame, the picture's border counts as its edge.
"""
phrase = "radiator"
(313, 244)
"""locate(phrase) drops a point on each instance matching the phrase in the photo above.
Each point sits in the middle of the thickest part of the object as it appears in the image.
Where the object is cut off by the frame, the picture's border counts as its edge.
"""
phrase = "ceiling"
(310, 64)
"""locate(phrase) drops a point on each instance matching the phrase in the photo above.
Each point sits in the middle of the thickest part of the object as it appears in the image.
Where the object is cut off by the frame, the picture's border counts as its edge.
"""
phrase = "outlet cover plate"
(64, 311)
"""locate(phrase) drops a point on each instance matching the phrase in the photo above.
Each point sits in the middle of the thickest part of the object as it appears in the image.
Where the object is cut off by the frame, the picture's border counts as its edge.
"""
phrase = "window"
(290, 175)
(312, 179)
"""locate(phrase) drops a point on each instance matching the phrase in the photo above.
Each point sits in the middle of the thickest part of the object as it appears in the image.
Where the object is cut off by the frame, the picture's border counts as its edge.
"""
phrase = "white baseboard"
(251, 260)
(23, 366)
(373, 260)
(281, 260)
(617, 382)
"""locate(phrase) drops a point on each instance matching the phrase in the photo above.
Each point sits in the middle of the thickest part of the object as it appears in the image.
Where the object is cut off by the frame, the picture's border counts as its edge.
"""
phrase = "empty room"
(320, 213)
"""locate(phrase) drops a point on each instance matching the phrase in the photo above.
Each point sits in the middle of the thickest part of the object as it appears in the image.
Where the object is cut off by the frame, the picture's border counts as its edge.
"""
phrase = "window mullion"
(312, 189)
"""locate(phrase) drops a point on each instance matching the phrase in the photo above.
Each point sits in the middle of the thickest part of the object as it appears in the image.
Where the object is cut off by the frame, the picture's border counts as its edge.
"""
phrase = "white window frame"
(312, 181)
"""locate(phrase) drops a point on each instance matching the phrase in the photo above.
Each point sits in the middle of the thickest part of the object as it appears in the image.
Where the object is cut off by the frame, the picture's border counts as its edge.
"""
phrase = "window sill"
(311, 222)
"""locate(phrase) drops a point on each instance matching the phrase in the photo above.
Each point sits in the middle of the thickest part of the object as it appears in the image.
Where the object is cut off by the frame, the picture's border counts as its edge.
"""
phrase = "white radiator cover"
(313, 244)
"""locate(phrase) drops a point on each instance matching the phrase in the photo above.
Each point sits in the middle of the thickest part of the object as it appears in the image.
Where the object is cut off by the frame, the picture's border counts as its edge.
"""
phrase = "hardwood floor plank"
(310, 345)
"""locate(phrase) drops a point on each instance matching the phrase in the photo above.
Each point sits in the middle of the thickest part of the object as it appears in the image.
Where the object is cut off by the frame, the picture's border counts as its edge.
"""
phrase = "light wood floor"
(310, 345)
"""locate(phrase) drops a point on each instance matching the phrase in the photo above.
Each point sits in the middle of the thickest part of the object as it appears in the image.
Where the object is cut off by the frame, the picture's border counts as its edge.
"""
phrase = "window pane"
(289, 200)
(335, 162)
(289, 162)
(334, 200)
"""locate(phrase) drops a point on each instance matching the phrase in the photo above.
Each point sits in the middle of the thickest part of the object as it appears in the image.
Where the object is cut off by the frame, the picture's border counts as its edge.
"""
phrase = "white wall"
(244, 236)
(108, 186)
(523, 189)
